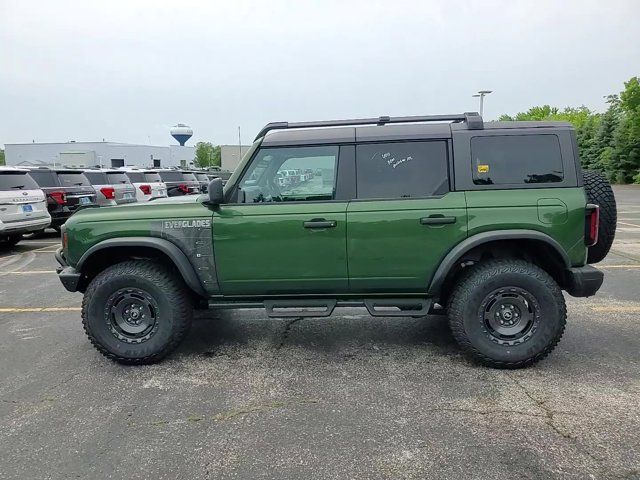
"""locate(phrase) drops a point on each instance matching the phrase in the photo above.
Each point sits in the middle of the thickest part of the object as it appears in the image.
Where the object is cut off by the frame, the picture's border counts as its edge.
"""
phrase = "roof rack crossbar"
(472, 119)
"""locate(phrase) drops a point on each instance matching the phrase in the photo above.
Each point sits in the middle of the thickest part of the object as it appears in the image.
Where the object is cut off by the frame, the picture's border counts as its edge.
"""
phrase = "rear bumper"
(69, 276)
(25, 226)
(583, 281)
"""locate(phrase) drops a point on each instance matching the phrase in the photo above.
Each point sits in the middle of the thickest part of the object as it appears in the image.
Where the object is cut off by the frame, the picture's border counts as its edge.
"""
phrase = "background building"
(230, 156)
(105, 154)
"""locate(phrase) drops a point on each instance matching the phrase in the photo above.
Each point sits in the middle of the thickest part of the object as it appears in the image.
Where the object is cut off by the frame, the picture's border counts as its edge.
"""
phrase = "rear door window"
(401, 170)
(68, 179)
(97, 178)
(45, 178)
(190, 177)
(516, 159)
(10, 181)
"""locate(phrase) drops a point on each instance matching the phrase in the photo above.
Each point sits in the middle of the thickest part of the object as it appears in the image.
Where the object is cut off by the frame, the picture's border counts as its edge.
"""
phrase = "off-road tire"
(467, 317)
(173, 316)
(599, 192)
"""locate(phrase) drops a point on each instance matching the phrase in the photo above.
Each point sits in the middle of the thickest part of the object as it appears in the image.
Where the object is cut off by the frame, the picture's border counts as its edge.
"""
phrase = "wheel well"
(108, 256)
(537, 252)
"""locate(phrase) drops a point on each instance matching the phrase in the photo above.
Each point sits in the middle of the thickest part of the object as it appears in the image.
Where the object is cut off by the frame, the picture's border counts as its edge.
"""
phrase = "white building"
(90, 154)
(230, 156)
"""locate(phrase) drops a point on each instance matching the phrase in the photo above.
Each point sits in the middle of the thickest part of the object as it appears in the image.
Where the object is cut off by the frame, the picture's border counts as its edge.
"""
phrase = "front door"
(285, 233)
(404, 219)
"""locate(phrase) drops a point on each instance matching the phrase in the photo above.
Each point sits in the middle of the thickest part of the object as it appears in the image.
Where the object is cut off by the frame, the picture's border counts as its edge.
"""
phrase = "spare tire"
(599, 192)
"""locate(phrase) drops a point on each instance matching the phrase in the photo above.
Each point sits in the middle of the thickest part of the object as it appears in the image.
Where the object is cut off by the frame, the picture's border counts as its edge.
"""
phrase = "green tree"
(2, 157)
(207, 155)
(626, 149)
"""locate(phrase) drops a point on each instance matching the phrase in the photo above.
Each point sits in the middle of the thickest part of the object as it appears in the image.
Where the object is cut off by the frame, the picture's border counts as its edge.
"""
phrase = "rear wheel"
(136, 312)
(507, 313)
(599, 192)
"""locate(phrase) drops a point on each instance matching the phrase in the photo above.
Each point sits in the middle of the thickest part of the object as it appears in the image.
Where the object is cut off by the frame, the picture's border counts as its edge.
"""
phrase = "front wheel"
(507, 313)
(136, 312)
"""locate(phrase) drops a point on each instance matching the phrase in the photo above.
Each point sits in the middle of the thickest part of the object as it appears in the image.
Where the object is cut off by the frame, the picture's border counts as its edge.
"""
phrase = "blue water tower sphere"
(181, 133)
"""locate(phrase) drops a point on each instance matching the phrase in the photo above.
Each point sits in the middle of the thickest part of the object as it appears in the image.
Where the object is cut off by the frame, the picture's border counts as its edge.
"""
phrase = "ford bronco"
(404, 216)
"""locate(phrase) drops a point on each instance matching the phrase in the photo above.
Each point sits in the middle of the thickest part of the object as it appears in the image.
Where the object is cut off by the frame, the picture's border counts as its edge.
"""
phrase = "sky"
(128, 70)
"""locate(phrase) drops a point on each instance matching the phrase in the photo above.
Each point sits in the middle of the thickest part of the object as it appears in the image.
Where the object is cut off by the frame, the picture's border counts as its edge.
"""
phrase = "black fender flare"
(456, 253)
(177, 256)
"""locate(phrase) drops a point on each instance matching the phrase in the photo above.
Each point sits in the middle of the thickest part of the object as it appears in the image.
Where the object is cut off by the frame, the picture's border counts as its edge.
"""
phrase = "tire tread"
(475, 278)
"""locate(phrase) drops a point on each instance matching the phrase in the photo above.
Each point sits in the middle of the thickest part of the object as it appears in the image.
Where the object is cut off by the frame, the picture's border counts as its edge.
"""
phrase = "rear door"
(404, 218)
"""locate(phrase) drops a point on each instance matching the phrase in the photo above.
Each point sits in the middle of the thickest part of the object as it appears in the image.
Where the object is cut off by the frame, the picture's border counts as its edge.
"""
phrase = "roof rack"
(472, 119)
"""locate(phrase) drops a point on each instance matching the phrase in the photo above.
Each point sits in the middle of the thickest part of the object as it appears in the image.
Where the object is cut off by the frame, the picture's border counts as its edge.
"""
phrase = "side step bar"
(324, 307)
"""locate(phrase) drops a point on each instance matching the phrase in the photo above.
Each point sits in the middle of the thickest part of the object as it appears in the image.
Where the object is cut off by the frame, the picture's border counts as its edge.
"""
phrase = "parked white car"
(147, 183)
(23, 206)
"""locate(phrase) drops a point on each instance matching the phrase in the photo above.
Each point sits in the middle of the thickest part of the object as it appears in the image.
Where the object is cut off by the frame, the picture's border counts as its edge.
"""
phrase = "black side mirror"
(216, 194)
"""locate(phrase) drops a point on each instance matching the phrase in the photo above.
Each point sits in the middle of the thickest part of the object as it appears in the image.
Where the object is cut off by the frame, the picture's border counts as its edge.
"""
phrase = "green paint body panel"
(93, 225)
(558, 212)
(263, 249)
(376, 246)
(389, 250)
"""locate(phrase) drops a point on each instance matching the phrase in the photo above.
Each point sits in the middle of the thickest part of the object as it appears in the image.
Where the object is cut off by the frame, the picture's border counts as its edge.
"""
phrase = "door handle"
(320, 223)
(437, 220)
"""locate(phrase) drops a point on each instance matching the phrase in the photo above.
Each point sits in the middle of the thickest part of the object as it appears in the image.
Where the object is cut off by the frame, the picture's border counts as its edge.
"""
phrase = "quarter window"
(516, 159)
(402, 169)
(290, 174)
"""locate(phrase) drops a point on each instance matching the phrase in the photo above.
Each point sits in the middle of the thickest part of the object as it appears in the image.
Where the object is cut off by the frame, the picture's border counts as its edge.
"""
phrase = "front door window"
(292, 174)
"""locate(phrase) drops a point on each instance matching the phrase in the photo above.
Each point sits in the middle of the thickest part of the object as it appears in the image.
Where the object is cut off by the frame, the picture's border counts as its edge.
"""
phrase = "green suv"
(405, 216)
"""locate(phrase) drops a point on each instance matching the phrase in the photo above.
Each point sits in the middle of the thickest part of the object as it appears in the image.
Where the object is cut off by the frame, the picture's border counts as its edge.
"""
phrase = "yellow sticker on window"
(483, 168)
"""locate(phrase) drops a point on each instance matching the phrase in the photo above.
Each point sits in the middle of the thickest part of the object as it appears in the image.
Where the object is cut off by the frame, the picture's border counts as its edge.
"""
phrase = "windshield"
(152, 177)
(135, 177)
(117, 177)
(171, 176)
(190, 177)
(17, 181)
(44, 178)
(73, 179)
(97, 178)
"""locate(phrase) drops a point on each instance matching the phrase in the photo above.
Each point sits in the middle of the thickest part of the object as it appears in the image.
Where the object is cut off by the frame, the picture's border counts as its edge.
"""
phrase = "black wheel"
(136, 312)
(507, 313)
(599, 192)
(8, 241)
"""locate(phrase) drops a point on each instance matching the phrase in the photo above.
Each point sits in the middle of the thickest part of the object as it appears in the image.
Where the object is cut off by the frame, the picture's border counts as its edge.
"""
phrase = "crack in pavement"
(549, 414)
(287, 331)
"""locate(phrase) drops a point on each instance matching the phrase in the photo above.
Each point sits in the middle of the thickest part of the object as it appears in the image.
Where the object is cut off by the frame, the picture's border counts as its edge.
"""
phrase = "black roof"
(385, 129)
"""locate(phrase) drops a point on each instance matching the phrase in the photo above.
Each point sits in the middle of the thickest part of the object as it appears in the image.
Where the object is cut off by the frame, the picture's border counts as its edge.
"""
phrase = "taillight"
(592, 223)
(108, 192)
(146, 189)
(65, 240)
(183, 188)
(59, 197)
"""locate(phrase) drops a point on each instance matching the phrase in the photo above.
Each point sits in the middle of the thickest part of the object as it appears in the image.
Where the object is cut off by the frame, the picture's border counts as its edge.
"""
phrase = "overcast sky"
(129, 70)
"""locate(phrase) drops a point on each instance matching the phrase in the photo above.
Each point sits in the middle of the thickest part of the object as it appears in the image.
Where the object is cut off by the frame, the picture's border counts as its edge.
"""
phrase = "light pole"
(482, 94)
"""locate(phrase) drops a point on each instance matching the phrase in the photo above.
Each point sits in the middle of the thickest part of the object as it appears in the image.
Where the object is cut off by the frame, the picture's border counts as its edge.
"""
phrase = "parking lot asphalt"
(345, 397)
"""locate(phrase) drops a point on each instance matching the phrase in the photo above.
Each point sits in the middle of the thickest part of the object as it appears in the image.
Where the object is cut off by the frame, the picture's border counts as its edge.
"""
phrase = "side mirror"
(216, 194)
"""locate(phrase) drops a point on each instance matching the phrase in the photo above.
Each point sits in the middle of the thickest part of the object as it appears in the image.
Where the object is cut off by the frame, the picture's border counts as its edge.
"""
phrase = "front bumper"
(69, 276)
(583, 281)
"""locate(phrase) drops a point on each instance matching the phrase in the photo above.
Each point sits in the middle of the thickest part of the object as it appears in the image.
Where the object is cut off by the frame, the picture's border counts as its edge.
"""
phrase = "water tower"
(181, 133)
